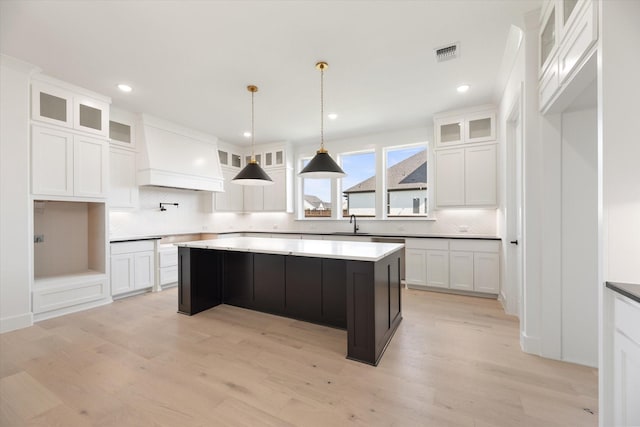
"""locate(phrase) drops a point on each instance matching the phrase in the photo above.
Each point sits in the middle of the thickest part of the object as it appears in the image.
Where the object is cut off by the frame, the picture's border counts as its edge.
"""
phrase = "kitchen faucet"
(354, 220)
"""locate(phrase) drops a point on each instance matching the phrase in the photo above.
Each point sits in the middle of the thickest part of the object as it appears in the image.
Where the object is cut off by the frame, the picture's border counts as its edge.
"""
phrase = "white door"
(415, 266)
(513, 286)
(480, 185)
(450, 177)
(121, 273)
(52, 162)
(461, 270)
(144, 269)
(91, 160)
(486, 272)
(438, 268)
(275, 196)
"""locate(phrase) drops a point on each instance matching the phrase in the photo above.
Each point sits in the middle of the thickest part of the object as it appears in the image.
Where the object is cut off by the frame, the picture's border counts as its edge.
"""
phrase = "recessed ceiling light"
(125, 88)
(463, 88)
(247, 134)
(332, 116)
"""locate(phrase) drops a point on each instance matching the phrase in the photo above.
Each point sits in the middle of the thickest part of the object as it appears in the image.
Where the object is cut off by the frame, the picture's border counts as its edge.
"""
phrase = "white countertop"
(357, 251)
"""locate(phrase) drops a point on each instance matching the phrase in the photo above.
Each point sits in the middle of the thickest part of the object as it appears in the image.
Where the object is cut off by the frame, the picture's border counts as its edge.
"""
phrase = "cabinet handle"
(514, 242)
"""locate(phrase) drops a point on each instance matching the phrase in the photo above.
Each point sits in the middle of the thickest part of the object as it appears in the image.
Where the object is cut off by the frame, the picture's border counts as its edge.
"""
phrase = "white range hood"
(173, 156)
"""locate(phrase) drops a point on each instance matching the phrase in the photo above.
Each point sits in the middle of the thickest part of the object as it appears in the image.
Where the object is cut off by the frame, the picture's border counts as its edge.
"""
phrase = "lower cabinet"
(626, 361)
(168, 265)
(132, 266)
(459, 264)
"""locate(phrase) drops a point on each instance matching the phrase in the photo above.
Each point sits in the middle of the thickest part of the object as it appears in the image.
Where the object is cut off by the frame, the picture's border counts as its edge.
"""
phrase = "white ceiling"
(190, 61)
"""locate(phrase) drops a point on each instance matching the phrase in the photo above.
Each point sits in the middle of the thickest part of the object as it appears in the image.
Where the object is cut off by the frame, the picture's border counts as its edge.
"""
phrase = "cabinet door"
(91, 115)
(232, 199)
(50, 104)
(122, 267)
(486, 272)
(276, 199)
(253, 198)
(480, 176)
(548, 36)
(52, 162)
(461, 270)
(480, 127)
(415, 266)
(123, 189)
(143, 270)
(303, 292)
(90, 167)
(450, 177)
(438, 268)
(626, 371)
(581, 35)
(449, 131)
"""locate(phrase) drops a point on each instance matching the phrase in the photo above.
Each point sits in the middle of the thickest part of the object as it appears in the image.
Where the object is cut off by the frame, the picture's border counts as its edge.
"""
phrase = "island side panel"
(199, 280)
(373, 306)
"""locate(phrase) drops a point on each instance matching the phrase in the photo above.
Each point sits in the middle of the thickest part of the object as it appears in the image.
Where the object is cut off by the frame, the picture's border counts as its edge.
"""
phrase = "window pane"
(407, 182)
(317, 196)
(359, 186)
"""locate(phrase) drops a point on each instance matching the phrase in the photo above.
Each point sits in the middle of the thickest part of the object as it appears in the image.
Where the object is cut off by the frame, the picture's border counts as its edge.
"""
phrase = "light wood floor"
(454, 361)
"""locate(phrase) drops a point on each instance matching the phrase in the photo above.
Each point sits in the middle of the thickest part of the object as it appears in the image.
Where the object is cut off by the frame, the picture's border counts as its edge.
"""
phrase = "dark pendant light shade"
(252, 173)
(322, 165)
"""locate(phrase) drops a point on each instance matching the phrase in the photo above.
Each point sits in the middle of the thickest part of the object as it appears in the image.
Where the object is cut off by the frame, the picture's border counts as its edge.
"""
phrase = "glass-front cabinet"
(466, 128)
(61, 107)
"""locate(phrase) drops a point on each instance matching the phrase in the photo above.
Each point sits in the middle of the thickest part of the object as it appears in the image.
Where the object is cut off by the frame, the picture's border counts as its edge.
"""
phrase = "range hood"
(173, 156)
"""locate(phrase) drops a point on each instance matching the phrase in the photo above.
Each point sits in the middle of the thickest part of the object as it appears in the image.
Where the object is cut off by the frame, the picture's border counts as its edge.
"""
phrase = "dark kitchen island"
(349, 285)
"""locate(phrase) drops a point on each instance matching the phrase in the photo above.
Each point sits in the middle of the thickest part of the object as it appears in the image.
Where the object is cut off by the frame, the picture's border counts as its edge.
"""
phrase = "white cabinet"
(168, 265)
(270, 198)
(123, 189)
(230, 159)
(55, 105)
(122, 128)
(568, 34)
(232, 199)
(437, 268)
(274, 158)
(466, 127)
(467, 176)
(626, 361)
(132, 266)
(67, 164)
(461, 270)
(470, 265)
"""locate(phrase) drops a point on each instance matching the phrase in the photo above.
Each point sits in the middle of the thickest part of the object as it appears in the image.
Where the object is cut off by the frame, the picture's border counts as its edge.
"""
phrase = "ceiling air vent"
(445, 53)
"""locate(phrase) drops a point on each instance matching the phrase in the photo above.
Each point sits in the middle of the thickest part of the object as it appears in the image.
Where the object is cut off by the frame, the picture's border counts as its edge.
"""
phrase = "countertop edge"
(629, 290)
(133, 239)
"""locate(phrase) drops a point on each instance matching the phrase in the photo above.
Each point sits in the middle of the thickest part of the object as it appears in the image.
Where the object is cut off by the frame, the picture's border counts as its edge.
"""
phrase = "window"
(359, 186)
(316, 196)
(406, 181)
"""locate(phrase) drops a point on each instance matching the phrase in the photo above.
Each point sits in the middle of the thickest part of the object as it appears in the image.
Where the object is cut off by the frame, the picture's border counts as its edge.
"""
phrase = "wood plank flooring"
(454, 361)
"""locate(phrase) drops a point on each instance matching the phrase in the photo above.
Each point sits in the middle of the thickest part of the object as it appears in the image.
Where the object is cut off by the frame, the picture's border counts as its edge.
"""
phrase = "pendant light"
(252, 173)
(322, 165)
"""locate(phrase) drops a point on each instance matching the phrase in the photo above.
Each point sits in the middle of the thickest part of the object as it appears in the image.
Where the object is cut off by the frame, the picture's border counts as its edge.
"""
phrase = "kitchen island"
(352, 285)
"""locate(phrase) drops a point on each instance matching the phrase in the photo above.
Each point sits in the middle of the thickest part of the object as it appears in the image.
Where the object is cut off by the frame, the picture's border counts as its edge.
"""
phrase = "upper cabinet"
(272, 198)
(122, 128)
(568, 34)
(466, 158)
(60, 106)
(465, 128)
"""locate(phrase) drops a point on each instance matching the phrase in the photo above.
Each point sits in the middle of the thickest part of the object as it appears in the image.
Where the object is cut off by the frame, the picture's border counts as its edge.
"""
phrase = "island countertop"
(356, 251)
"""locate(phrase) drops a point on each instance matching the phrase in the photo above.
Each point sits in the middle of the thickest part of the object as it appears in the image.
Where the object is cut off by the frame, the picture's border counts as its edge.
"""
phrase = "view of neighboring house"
(406, 190)
(314, 206)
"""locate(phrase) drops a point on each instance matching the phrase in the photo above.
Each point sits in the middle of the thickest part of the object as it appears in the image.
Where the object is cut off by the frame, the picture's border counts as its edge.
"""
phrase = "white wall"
(15, 216)
(579, 253)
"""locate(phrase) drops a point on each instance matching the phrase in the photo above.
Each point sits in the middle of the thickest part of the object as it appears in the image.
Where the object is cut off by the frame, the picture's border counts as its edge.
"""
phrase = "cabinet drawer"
(130, 247)
(437, 244)
(627, 318)
(168, 275)
(475, 245)
(168, 257)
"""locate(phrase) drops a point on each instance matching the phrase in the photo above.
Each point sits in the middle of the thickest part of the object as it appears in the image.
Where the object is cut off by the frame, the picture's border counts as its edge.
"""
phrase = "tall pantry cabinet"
(69, 187)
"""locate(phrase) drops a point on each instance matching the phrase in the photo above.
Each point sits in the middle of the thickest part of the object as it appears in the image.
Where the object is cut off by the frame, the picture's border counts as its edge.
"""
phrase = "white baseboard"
(529, 344)
(12, 323)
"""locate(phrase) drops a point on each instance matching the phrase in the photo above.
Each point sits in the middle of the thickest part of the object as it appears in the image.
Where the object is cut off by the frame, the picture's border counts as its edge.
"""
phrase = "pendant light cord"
(253, 153)
(322, 108)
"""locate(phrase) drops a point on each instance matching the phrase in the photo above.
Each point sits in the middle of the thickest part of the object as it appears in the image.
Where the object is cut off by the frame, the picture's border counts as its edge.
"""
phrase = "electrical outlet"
(38, 238)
